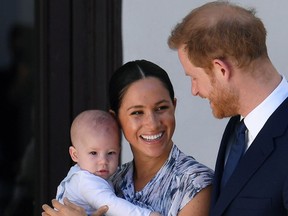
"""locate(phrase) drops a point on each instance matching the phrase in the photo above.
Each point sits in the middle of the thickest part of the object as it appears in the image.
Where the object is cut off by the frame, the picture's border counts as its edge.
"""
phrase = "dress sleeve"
(98, 192)
(192, 183)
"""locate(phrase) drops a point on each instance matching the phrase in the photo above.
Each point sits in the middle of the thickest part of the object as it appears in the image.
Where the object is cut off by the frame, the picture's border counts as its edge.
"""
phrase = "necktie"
(236, 151)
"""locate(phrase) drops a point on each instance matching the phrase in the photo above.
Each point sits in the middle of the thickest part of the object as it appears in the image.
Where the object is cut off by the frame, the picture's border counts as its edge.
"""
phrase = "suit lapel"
(221, 157)
(250, 163)
(259, 151)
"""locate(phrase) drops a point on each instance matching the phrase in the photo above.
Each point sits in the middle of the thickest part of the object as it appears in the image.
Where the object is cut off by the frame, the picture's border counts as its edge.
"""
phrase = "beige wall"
(146, 26)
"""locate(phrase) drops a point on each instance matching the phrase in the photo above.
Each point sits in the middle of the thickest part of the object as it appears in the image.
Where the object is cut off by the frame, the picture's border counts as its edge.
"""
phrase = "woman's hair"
(131, 72)
(220, 30)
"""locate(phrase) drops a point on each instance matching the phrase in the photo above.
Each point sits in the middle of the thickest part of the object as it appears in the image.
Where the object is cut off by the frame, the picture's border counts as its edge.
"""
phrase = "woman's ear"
(73, 153)
(112, 112)
(175, 102)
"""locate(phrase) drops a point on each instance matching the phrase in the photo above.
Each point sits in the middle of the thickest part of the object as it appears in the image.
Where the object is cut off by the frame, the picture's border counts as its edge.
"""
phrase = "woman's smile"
(154, 137)
(147, 119)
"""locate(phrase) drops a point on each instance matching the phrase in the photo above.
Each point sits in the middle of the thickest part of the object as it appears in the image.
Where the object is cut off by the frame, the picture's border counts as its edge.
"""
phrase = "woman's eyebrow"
(135, 107)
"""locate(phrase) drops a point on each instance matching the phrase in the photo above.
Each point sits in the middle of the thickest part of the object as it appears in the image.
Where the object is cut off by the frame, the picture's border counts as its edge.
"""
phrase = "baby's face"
(99, 153)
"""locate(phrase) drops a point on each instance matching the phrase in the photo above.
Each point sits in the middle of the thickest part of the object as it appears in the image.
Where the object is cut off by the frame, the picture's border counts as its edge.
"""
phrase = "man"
(222, 48)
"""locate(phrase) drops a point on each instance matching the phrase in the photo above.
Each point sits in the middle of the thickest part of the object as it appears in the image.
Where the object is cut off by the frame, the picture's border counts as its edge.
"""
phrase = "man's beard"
(224, 101)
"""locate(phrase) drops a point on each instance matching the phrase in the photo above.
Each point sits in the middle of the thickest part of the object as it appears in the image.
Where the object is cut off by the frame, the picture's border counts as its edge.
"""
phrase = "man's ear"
(73, 153)
(222, 67)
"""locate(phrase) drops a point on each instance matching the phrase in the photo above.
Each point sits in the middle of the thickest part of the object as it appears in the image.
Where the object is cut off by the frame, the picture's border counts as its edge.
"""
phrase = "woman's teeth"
(152, 137)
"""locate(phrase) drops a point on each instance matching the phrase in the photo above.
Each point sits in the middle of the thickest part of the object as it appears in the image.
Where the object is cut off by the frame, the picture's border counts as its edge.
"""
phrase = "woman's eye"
(136, 113)
(162, 108)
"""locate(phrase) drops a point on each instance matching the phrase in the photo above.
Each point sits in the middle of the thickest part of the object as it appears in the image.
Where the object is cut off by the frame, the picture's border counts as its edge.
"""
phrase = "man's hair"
(220, 30)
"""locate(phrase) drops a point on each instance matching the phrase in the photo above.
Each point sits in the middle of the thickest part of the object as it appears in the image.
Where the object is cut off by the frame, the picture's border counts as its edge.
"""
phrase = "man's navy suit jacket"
(259, 184)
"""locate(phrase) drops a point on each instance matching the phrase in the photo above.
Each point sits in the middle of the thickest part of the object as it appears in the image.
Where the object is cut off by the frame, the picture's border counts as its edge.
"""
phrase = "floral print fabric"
(175, 184)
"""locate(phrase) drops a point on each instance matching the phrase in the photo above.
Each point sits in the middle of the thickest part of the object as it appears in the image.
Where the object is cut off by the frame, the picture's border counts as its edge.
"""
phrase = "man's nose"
(194, 89)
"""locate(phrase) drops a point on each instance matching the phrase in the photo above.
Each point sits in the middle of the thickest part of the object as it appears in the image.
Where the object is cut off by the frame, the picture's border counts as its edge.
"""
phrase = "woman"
(160, 177)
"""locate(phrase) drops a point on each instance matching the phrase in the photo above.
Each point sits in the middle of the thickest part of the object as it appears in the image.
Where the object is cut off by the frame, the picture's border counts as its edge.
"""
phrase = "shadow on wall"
(16, 128)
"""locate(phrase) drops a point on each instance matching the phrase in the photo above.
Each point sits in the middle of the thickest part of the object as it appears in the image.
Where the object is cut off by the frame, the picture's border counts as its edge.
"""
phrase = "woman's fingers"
(48, 210)
(101, 211)
(72, 206)
(56, 204)
(69, 209)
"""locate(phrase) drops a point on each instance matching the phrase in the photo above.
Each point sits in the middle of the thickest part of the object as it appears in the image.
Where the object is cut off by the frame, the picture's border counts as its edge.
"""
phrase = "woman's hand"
(69, 209)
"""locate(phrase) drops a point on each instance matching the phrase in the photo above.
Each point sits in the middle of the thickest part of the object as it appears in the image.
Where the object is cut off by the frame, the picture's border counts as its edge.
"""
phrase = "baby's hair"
(93, 120)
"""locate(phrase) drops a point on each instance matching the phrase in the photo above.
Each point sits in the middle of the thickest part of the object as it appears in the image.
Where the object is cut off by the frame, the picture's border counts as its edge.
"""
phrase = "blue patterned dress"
(175, 184)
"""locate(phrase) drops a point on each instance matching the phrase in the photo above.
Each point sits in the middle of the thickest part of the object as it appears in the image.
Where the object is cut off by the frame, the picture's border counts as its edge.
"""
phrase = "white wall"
(146, 27)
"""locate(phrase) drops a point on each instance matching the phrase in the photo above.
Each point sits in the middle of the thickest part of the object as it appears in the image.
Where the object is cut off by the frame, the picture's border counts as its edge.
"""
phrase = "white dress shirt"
(256, 119)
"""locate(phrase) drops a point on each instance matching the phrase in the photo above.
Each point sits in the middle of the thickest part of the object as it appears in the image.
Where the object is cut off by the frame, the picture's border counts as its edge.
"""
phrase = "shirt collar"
(256, 119)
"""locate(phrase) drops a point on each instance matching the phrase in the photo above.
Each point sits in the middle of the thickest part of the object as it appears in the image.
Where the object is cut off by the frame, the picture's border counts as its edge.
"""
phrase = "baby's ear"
(73, 153)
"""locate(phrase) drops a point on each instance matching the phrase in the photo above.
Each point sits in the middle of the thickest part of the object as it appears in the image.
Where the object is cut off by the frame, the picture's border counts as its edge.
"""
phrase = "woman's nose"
(152, 120)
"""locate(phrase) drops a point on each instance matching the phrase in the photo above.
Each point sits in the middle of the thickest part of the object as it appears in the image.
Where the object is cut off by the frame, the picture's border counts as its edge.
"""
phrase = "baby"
(95, 137)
